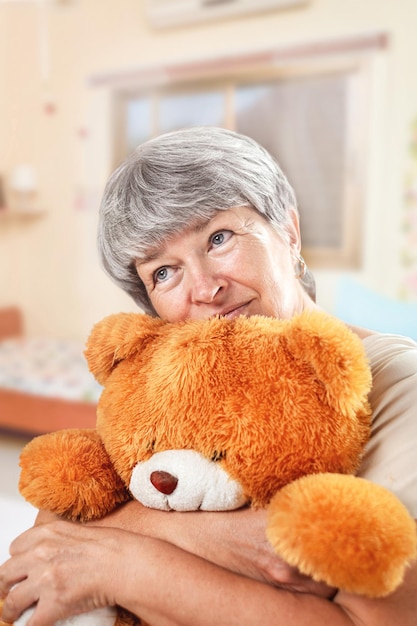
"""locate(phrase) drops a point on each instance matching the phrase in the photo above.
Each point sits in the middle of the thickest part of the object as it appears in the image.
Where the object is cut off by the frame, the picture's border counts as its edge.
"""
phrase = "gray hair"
(178, 179)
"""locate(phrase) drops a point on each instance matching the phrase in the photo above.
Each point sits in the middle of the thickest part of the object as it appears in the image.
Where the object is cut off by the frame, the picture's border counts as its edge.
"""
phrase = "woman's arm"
(71, 568)
(235, 540)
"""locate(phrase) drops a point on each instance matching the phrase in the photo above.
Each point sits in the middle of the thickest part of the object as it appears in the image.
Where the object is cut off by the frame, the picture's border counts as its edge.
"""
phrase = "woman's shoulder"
(385, 341)
(382, 348)
(397, 353)
(390, 454)
(377, 339)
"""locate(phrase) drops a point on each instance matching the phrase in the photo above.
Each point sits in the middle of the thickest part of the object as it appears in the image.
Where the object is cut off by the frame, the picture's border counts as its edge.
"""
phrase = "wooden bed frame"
(30, 414)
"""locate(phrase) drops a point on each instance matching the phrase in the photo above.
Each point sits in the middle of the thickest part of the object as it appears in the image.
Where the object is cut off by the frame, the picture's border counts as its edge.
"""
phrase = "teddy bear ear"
(337, 356)
(116, 337)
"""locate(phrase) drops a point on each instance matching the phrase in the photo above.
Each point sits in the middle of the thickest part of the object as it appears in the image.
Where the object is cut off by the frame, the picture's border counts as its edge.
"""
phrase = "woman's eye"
(219, 238)
(161, 274)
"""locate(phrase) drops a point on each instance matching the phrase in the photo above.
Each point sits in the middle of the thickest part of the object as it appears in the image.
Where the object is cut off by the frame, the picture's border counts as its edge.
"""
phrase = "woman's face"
(234, 264)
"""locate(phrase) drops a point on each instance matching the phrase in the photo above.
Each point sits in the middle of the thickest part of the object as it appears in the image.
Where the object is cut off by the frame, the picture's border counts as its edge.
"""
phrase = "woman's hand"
(66, 568)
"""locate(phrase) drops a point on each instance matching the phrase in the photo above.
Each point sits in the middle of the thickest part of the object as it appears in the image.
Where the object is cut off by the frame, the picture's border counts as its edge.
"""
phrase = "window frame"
(352, 58)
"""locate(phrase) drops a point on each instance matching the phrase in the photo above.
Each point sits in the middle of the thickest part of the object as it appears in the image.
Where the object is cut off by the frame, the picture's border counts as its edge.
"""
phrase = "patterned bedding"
(47, 367)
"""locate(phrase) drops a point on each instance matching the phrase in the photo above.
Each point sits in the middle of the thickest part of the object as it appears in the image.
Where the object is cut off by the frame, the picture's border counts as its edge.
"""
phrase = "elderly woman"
(197, 223)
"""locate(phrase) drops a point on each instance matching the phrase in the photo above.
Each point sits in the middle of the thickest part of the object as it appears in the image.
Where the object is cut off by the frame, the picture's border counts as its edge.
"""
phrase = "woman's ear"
(300, 268)
(293, 230)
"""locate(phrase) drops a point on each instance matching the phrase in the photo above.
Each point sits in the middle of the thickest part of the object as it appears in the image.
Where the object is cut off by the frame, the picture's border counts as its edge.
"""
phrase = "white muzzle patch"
(200, 483)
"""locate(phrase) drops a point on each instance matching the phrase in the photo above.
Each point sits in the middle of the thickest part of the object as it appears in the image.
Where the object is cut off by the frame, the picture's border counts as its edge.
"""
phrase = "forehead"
(233, 217)
(156, 248)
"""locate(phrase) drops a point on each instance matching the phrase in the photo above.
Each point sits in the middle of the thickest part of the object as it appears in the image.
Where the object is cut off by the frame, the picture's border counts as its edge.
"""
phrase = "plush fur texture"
(280, 405)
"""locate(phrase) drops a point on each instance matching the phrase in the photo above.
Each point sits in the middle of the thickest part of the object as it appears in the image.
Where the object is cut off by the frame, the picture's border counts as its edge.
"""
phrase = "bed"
(45, 384)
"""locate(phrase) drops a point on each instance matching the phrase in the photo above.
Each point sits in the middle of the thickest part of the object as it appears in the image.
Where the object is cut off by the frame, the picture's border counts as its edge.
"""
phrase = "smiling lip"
(235, 312)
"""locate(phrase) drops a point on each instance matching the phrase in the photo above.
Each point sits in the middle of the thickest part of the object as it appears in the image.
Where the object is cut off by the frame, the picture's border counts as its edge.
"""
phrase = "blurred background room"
(328, 86)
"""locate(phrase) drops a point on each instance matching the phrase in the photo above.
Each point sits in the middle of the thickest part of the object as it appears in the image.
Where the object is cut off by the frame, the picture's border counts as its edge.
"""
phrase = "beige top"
(391, 454)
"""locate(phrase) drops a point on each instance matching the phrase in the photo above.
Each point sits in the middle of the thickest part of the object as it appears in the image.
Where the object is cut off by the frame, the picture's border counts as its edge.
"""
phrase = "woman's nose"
(205, 288)
(205, 285)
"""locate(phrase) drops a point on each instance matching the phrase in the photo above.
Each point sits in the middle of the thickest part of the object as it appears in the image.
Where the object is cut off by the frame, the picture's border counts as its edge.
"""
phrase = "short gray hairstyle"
(178, 179)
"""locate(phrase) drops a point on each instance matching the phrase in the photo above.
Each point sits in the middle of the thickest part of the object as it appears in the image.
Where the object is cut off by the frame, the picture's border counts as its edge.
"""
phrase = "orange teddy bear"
(220, 414)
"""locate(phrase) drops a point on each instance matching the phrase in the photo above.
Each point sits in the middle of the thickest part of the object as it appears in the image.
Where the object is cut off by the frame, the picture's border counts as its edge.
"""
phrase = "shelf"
(11, 214)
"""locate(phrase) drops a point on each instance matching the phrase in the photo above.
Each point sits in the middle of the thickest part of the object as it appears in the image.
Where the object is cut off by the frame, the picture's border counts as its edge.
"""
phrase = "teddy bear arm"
(70, 473)
(345, 531)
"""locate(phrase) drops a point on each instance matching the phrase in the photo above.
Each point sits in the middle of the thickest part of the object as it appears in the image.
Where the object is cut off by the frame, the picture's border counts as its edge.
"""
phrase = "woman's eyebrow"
(201, 225)
(147, 258)
(154, 254)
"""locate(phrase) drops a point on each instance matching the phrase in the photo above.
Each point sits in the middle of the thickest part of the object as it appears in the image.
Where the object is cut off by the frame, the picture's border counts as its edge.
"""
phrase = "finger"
(19, 598)
(24, 618)
(36, 535)
(23, 542)
(45, 617)
(12, 572)
(1, 610)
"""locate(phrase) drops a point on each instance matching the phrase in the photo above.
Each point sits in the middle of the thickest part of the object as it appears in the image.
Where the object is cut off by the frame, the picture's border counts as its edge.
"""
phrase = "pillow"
(360, 306)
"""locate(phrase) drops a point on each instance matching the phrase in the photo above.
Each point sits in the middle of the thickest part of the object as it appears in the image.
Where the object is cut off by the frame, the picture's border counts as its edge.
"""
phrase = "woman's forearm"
(235, 540)
(185, 590)
(234, 543)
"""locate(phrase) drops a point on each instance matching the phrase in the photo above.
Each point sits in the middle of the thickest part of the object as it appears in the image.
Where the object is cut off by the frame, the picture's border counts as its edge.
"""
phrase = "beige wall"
(48, 265)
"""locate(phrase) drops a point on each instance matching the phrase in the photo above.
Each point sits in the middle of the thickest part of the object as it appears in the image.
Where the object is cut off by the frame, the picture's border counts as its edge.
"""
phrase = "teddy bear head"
(261, 401)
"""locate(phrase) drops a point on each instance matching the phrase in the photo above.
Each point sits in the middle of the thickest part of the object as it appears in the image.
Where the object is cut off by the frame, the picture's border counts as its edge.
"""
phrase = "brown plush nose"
(164, 482)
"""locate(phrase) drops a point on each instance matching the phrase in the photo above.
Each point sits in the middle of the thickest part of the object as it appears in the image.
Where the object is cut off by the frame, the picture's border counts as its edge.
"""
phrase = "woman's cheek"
(170, 306)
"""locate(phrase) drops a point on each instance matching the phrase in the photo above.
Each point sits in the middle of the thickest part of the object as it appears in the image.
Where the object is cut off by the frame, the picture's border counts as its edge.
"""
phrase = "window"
(309, 107)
